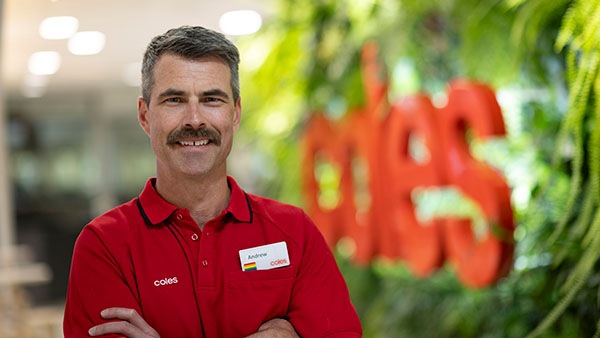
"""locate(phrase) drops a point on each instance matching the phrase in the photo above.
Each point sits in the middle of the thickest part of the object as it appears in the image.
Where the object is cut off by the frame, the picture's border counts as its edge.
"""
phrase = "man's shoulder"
(288, 219)
(110, 231)
(267, 207)
(117, 221)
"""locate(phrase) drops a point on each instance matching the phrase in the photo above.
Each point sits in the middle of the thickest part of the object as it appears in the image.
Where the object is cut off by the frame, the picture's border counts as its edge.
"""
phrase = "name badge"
(265, 257)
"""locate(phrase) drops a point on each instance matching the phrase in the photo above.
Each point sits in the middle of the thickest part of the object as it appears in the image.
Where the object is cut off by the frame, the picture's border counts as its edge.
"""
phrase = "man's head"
(190, 43)
(190, 107)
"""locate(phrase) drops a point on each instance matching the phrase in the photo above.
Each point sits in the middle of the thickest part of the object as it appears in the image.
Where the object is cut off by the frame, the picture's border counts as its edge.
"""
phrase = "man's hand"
(131, 326)
(276, 328)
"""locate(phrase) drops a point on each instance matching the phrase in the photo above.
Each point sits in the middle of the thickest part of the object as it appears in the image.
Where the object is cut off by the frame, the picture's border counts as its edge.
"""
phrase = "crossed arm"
(132, 325)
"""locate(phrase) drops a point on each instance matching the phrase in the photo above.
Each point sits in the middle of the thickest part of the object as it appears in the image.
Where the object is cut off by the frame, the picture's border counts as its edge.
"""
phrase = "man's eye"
(173, 100)
(212, 99)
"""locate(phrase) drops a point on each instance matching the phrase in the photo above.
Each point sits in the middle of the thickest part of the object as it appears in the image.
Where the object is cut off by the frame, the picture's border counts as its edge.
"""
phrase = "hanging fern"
(579, 35)
(573, 126)
(594, 156)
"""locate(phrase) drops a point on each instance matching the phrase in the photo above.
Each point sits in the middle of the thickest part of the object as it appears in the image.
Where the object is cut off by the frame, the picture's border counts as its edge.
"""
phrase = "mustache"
(185, 133)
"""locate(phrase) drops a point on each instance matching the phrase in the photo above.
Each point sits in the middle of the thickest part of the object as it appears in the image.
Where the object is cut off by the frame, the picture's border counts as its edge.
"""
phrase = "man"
(194, 255)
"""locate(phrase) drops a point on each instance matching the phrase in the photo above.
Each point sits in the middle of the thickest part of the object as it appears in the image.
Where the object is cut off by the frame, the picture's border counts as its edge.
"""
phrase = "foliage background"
(542, 59)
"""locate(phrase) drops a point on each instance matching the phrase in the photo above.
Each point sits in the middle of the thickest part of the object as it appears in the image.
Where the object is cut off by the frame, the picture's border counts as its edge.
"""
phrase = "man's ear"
(237, 114)
(143, 115)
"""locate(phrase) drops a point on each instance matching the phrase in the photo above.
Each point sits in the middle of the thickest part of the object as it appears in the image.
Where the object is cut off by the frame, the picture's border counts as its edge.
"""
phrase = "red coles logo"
(278, 262)
(378, 178)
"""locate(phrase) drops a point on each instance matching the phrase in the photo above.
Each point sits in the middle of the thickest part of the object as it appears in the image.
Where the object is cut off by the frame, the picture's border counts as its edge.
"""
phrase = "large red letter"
(420, 245)
(479, 261)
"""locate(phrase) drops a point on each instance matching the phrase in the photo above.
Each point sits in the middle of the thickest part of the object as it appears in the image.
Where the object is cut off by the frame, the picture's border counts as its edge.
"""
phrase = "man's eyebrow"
(178, 92)
(171, 92)
(216, 92)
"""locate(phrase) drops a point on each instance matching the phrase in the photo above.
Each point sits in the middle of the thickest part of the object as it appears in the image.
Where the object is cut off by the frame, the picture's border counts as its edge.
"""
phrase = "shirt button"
(194, 237)
(205, 263)
(179, 217)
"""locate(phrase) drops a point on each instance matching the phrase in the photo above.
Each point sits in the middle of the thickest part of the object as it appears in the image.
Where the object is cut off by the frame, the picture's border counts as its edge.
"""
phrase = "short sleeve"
(96, 282)
(320, 305)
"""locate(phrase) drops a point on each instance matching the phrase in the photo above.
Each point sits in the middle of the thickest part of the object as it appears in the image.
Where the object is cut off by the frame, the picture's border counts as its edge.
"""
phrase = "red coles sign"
(385, 224)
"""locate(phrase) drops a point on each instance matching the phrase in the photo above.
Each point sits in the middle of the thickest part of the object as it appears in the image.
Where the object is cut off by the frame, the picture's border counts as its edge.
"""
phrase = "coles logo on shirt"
(166, 281)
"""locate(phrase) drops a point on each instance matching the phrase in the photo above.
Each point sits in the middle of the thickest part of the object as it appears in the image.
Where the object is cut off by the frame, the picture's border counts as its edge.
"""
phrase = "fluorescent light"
(241, 22)
(58, 27)
(87, 43)
(44, 63)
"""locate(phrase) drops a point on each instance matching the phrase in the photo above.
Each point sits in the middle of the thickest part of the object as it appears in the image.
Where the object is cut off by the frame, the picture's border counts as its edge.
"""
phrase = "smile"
(193, 143)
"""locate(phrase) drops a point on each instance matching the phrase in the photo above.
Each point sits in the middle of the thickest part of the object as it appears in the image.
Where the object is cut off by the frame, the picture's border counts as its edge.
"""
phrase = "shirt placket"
(201, 247)
(208, 288)
(206, 258)
(189, 235)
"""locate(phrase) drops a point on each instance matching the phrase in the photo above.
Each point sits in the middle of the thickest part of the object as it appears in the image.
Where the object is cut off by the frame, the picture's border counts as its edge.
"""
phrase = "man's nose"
(194, 117)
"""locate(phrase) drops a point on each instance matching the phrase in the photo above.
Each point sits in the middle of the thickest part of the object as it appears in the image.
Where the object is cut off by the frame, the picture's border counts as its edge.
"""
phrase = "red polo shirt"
(151, 256)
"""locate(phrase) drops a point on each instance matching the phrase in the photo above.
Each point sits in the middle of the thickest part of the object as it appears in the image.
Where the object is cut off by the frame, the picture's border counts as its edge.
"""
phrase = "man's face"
(191, 117)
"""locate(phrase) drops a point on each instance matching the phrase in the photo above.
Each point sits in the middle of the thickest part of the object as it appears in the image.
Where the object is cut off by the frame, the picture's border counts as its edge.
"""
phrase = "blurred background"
(71, 147)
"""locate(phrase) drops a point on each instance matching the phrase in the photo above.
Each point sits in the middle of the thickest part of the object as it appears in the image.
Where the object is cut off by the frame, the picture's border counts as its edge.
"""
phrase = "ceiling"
(128, 25)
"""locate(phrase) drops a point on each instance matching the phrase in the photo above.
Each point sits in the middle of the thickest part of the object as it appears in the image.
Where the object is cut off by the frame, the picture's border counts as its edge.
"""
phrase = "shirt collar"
(239, 205)
(157, 210)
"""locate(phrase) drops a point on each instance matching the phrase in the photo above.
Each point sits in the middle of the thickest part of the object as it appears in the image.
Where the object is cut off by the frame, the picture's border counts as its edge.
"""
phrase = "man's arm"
(275, 328)
(320, 303)
(96, 282)
(132, 325)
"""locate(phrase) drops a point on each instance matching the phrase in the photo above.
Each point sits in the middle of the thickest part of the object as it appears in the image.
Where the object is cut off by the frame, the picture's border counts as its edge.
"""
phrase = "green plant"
(546, 53)
(575, 240)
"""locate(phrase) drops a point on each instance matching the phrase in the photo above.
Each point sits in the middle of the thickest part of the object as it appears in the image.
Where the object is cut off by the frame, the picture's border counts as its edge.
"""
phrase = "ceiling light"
(241, 22)
(44, 63)
(87, 43)
(58, 27)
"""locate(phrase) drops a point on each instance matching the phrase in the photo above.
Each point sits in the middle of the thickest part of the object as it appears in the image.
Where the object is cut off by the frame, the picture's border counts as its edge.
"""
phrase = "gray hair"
(190, 43)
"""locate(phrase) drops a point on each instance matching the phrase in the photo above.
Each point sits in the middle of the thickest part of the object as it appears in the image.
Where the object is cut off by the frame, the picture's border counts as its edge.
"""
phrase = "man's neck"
(204, 197)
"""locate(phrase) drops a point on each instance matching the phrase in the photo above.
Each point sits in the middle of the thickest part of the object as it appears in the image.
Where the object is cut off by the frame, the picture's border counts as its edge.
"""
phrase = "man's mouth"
(188, 137)
(193, 143)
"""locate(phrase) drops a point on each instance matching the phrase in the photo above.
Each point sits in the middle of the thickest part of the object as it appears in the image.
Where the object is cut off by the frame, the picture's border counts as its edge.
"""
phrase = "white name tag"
(265, 257)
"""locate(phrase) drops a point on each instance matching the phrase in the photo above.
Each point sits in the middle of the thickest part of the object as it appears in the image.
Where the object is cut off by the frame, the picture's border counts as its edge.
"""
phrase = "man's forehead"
(170, 71)
(173, 57)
